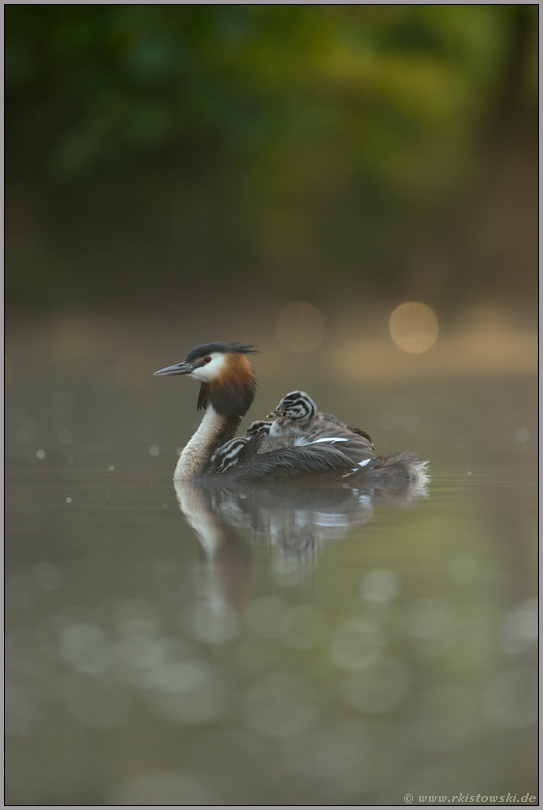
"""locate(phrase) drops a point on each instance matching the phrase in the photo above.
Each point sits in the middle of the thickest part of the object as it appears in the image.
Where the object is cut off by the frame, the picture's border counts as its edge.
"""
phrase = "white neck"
(196, 453)
(192, 503)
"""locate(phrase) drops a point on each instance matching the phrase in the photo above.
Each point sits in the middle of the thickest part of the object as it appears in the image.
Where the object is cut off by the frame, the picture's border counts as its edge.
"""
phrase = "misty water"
(175, 645)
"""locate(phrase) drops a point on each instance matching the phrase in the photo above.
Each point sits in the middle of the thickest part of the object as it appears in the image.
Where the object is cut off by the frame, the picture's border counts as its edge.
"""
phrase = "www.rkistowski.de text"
(473, 798)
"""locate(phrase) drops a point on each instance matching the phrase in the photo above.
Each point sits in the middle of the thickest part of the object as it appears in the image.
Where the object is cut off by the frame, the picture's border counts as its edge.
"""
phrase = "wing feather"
(338, 450)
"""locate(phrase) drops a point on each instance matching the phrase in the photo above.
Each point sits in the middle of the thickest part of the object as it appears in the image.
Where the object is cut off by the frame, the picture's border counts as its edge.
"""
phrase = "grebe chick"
(227, 390)
(258, 428)
(227, 456)
(299, 419)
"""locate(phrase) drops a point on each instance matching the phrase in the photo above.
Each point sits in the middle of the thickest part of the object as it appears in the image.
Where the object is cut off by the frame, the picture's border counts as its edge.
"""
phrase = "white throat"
(212, 370)
(196, 452)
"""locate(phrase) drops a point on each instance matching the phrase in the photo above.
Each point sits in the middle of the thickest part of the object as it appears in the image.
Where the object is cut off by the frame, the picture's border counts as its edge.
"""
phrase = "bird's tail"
(404, 463)
(396, 470)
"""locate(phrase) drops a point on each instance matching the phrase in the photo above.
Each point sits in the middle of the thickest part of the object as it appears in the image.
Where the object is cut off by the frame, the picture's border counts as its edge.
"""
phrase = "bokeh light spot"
(430, 625)
(85, 646)
(300, 327)
(379, 585)
(183, 687)
(356, 644)
(413, 327)
(520, 628)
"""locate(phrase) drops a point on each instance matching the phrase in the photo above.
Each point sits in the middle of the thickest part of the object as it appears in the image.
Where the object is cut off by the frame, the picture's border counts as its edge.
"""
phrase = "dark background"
(166, 156)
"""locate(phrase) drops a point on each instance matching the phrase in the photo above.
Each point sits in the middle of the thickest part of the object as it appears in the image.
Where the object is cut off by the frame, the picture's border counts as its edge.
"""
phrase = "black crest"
(219, 346)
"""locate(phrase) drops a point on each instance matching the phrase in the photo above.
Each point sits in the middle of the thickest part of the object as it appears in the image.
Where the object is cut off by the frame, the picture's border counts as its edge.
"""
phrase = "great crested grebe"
(227, 391)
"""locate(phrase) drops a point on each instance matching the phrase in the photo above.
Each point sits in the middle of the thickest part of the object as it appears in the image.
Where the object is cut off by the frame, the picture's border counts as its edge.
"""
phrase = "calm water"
(178, 646)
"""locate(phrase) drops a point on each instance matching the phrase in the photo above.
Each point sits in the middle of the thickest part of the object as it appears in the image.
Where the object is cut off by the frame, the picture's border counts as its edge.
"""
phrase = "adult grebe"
(227, 391)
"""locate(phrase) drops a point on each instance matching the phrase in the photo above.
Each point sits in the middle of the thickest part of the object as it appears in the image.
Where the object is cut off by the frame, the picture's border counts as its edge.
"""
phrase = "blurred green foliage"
(159, 154)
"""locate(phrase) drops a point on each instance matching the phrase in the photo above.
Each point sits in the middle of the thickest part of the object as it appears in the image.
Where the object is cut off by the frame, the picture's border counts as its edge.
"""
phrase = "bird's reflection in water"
(292, 520)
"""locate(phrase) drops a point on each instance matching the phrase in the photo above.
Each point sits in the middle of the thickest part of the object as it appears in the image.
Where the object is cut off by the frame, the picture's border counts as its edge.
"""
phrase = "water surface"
(176, 646)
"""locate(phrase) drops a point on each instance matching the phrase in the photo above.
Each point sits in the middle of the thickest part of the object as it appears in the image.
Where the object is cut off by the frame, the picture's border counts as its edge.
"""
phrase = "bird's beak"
(180, 368)
(279, 411)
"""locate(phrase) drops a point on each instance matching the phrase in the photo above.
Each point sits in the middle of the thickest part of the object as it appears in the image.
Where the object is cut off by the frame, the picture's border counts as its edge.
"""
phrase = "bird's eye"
(207, 359)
